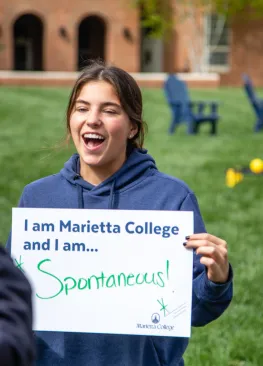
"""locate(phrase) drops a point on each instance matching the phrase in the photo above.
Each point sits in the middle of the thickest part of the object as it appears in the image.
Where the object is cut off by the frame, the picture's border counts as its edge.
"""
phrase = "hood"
(136, 165)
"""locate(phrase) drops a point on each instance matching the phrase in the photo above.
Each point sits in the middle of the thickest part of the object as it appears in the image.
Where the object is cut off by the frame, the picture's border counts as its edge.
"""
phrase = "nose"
(93, 118)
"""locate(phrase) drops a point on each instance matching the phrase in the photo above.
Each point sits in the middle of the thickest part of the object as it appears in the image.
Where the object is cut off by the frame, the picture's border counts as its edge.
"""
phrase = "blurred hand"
(213, 252)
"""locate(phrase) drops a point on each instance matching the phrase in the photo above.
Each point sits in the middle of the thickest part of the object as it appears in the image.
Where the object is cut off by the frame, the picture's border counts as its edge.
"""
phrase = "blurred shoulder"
(45, 182)
(172, 182)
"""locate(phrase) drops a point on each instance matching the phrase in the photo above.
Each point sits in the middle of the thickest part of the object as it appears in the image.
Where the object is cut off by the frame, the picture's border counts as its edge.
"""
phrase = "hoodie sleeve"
(209, 299)
(16, 336)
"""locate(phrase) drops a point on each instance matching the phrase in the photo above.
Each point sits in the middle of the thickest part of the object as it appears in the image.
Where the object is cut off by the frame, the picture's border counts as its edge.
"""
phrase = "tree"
(155, 16)
(159, 16)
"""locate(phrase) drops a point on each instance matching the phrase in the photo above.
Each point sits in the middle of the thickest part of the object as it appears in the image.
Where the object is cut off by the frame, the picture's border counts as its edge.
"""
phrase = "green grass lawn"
(33, 124)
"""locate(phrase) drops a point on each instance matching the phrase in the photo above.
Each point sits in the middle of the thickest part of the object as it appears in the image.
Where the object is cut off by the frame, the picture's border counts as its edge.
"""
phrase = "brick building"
(56, 35)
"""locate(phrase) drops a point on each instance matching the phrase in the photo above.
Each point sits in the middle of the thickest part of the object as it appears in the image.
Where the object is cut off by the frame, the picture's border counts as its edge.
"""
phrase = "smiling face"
(100, 129)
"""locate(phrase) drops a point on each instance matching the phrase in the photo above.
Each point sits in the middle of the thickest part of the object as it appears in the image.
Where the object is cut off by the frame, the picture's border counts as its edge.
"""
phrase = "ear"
(133, 130)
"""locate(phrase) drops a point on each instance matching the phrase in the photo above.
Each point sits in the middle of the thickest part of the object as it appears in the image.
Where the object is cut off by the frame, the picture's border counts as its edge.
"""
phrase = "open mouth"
(93, 140)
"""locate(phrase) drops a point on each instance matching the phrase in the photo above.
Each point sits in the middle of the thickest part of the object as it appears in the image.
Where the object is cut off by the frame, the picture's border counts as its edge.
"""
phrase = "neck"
(96, 175)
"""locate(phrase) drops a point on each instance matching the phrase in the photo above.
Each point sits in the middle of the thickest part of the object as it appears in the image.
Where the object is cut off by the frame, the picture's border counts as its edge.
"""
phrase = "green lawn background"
(32, 122)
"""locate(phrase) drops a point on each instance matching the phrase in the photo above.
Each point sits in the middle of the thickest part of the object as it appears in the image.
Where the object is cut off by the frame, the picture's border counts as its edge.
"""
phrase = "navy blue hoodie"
(137, 185)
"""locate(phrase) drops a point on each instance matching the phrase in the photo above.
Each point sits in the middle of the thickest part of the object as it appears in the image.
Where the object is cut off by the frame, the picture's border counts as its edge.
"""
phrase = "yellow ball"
(233, 177)
(256, 166)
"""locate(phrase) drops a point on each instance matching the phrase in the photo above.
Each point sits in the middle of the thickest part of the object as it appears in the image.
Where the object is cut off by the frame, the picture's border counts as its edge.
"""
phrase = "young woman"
(111, 170)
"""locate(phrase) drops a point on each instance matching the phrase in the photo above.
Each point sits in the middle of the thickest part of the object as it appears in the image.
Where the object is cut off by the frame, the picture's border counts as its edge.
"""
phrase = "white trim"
(38, 75)
(184, 76)
(209, 49)
(219, 69)
(55, 75)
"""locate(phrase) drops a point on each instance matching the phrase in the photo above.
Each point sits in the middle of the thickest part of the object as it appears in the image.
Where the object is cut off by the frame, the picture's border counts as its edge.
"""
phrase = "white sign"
(106, 271)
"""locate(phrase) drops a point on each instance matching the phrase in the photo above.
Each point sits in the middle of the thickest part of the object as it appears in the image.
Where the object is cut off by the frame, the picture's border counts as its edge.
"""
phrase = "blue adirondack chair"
(257, 104)
(185, 110)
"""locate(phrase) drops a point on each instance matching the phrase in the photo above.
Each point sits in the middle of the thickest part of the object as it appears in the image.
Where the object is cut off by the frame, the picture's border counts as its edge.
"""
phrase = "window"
(217, 43)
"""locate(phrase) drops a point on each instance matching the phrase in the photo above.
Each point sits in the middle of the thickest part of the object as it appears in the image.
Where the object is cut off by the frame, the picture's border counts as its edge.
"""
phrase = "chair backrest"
(249, 88)
(176, 92)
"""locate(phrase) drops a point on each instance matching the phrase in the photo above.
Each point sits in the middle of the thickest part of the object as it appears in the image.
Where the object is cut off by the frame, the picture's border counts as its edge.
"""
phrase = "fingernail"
(187, 237)
(184, 244)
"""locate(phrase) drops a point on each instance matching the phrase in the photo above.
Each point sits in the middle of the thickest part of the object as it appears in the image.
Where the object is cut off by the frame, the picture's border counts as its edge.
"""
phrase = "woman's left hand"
(213, 252)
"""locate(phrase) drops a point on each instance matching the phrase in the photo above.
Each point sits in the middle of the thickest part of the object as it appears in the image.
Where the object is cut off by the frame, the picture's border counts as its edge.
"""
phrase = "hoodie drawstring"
(80, 193)
(111, 197)
(80, 197)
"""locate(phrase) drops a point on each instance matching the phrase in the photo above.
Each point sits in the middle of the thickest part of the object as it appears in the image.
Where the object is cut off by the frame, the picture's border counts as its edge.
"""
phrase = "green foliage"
(32, 122)
(240, 8)
(158, 15)
(155, 16)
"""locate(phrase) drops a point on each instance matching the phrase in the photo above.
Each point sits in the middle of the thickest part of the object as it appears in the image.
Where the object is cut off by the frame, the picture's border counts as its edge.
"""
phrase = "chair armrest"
(197, 108)
(205, 103)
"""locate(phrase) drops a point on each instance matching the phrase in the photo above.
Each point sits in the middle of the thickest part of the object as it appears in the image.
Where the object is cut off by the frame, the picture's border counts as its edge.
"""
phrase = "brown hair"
(126, 89)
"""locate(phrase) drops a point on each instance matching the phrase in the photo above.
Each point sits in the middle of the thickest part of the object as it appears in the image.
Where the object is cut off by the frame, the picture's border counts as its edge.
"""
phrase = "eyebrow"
(105, 104)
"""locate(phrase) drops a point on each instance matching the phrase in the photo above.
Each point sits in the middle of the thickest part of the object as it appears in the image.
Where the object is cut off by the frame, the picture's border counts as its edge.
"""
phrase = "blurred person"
(16, 336)
(112, 170)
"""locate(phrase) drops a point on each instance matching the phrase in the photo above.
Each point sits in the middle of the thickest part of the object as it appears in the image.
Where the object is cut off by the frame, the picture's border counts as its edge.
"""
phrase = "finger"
(209, 263)
(199, 243)
(213, 269)
(213, 252)
(215, 272)
(208, 237)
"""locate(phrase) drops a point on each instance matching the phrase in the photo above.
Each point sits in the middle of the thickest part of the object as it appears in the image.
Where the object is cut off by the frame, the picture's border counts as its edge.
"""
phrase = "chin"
(91, 161)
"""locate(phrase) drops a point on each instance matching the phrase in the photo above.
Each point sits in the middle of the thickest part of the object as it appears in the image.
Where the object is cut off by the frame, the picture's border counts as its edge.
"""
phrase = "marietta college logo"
(155, 318)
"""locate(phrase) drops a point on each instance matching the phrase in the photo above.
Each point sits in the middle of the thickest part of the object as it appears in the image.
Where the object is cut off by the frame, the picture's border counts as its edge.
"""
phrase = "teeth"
(93, 136)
